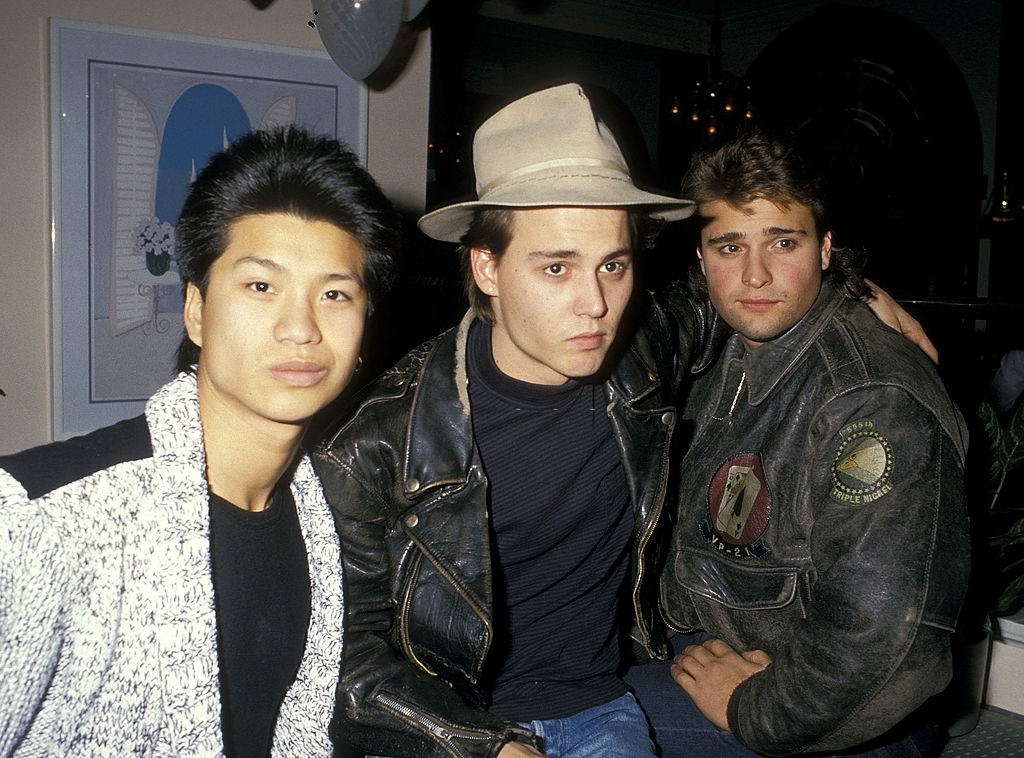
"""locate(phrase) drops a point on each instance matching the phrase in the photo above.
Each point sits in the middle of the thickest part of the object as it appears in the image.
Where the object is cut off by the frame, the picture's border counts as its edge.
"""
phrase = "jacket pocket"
(442, 628)
(755, 605)
(735, 585)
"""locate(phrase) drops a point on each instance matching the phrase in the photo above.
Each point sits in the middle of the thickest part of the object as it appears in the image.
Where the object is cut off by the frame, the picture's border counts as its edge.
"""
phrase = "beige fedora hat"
(548, 149)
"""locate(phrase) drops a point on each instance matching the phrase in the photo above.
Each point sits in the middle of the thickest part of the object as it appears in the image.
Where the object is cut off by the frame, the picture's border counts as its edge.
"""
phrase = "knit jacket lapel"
(182, 584)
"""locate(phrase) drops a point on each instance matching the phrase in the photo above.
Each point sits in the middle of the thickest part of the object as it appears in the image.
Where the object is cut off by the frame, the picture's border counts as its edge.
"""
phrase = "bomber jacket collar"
(767, 366)
(440, 448)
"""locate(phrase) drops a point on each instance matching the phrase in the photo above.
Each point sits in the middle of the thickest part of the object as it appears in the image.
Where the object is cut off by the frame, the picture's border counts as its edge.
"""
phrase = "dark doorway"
(889, 118)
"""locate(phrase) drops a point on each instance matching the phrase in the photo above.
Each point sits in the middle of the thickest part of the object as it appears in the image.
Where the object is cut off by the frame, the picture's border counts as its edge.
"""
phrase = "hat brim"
(450, 223)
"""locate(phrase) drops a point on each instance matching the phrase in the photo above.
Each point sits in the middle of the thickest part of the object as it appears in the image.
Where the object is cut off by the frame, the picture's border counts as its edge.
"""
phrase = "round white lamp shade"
(358, 34)
(413, 8)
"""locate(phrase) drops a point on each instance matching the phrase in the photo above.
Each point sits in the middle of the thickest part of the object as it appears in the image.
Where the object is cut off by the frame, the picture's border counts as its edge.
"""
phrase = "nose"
(590, 298)
(755, 270)
(297, 323)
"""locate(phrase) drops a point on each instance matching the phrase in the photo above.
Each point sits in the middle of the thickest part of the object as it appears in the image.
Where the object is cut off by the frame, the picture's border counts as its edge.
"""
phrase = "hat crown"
(554, 129)
(548, 149)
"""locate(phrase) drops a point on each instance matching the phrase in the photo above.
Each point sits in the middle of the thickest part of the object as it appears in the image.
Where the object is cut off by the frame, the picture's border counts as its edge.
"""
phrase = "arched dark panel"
(888, 116)
(205, 119)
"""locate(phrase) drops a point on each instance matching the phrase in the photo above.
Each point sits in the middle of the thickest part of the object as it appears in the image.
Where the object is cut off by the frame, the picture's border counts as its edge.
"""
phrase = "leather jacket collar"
(440, 446)
(767, 366)
(440, 449)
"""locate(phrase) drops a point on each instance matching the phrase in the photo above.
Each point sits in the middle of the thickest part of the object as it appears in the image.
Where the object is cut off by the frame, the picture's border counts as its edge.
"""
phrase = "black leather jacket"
(822, 518)
(410, 499)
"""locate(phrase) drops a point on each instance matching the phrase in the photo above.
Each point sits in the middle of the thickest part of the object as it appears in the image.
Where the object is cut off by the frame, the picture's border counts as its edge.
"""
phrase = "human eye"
(615, 267)
(555, 269)
(337, 296)
(786, 244)
(260, 287)
(729, 249)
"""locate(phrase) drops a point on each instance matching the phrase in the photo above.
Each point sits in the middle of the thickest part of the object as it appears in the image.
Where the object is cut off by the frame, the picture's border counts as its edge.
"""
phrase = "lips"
(588, 341)
(298, 373)
(758, 304)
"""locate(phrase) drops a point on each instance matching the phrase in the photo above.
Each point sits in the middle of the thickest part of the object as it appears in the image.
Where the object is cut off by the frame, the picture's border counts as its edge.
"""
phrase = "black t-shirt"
(561, 529)
(262, 596)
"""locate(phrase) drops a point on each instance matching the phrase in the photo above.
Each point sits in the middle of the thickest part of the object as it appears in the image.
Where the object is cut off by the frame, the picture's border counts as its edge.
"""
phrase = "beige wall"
(397, 158)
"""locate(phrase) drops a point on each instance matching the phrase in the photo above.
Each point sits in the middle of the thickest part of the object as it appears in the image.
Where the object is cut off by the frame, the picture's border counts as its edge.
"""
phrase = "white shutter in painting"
(281, 113)
(136, 153)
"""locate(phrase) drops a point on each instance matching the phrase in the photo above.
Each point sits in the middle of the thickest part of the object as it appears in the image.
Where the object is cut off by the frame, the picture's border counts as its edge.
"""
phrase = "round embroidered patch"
(739, 503)
(862, 467)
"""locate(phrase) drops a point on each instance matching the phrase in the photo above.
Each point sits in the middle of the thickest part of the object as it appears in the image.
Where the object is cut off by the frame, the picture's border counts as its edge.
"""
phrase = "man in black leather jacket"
(821, 541)
(498, 491)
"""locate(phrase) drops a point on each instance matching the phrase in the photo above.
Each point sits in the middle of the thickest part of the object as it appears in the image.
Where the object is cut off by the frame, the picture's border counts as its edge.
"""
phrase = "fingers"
(703, 653)
(688, 663)
(711, 672)
(718, 648)
(758, 657)
(685, 670)
(896, 316)
(694, 657)
(914, 332)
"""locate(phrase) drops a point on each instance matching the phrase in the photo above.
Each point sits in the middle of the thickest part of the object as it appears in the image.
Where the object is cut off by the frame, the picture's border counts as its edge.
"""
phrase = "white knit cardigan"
(107, 631)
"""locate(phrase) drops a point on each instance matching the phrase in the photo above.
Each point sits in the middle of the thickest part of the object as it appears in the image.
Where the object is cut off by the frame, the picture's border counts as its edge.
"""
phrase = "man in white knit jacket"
(171, 585)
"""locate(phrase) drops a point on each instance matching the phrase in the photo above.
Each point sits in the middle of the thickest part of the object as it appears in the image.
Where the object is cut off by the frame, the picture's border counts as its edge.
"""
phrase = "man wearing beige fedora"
(498, 492)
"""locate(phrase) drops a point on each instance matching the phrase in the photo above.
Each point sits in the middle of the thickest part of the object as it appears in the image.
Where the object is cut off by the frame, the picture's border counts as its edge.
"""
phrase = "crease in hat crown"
(548, 149)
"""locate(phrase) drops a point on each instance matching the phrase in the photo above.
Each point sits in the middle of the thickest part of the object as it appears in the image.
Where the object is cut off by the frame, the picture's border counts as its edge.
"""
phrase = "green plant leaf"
(1010, 598)
(1006, 447)
(993, 427)
(1013, 439)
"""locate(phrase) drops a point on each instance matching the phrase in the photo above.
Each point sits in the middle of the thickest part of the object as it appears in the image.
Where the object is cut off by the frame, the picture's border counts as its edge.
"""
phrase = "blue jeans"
(616, 729)
(682, 731)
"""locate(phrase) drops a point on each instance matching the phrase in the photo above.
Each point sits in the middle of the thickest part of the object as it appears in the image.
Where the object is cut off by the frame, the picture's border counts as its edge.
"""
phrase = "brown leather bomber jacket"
(409, 494)
(822, 518)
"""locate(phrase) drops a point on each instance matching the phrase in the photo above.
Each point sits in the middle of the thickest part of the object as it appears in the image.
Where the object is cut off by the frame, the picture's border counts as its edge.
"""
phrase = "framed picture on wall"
(134, 116)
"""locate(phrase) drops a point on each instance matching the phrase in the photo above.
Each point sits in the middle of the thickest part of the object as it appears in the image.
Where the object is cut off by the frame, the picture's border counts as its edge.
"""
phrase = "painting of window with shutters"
(161, 127)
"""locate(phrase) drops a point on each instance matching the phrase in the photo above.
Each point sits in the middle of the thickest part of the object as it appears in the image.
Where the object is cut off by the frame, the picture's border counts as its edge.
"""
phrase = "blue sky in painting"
(195, 130)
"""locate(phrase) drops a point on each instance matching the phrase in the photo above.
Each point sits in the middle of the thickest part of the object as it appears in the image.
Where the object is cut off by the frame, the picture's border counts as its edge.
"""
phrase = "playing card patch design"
(739, 506)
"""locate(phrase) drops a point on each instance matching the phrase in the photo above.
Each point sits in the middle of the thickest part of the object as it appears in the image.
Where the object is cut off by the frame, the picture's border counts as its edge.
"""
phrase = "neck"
(244, 460)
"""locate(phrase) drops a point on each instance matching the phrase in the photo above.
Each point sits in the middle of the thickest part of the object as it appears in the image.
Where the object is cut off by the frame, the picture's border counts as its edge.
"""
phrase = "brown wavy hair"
(757, 166)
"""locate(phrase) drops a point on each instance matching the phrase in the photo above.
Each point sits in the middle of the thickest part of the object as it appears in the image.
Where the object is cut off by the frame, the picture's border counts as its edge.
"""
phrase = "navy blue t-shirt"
(562, 527)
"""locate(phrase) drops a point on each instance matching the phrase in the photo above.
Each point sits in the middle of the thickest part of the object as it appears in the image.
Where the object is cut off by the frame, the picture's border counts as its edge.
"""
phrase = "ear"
(485, 270)
(826, 250)
(701, 259)
(193, 314)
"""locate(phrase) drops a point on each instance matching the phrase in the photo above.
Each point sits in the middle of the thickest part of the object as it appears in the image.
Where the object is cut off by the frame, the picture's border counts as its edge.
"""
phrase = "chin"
(583, 372)
(297, 413)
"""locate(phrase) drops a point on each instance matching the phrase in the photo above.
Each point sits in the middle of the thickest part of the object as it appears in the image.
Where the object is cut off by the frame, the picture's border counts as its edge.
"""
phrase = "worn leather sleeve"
(387, 704)
(891, 559)
(673, 328)
(690, 322)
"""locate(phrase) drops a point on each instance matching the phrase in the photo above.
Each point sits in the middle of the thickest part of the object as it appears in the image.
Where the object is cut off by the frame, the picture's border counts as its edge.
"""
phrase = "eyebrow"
(333, 276)
(773, 231)
(769, 231)
(726, 237)
(550, 255)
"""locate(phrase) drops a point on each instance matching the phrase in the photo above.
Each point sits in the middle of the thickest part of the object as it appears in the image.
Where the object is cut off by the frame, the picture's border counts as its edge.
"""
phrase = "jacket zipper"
(644, 538)
(403, 621)
(641, 546)
(736, 398)
(442, 731)
(407, 603)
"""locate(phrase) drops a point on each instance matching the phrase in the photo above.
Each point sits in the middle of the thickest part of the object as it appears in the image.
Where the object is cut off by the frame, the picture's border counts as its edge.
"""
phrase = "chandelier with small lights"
(719, 100)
